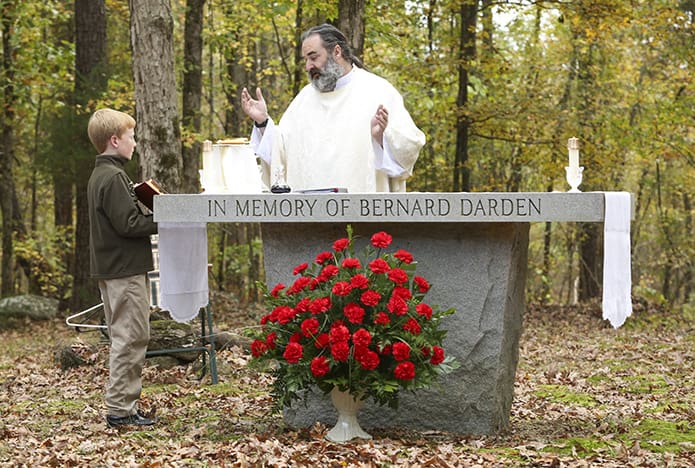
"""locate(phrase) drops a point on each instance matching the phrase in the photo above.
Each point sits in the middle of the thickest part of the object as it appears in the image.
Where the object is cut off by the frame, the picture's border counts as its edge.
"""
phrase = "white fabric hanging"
(183, 269)
(617, 275)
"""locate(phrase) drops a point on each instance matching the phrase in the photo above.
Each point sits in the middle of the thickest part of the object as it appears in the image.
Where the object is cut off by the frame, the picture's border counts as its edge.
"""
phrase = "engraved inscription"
(217, 208)
(501, 207)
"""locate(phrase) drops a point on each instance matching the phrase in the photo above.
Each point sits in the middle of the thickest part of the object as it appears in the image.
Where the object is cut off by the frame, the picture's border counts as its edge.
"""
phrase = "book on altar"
(324, 190)
(146, 190)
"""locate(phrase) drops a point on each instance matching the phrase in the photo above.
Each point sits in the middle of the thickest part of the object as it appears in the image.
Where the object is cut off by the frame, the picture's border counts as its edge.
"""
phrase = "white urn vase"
(347, 427)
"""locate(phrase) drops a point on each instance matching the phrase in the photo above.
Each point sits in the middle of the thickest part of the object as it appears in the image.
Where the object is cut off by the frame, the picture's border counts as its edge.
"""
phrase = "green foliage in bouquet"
(358, 323)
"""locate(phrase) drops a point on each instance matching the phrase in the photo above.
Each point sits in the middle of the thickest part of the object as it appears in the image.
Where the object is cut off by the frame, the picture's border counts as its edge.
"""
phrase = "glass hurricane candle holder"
(574, 177)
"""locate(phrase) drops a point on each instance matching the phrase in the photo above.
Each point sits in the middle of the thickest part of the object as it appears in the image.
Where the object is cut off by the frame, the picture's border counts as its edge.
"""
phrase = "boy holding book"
(120, 257)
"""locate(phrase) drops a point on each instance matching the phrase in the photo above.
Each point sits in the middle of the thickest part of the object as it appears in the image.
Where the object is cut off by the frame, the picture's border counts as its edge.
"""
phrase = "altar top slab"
(408, 207)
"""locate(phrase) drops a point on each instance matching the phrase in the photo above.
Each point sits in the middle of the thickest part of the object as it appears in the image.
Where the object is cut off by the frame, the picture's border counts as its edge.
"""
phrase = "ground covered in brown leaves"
(585, 395)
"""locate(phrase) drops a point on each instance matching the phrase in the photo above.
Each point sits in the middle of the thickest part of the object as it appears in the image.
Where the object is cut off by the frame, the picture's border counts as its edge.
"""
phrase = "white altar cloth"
(617, 274)
(183, 264)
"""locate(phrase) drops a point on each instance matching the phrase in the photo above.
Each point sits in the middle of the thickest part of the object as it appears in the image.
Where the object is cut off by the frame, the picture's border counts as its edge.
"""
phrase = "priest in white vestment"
(348, 128)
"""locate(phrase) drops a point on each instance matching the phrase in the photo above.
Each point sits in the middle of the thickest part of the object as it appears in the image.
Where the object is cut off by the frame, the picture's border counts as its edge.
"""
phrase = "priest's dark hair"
(331, 37)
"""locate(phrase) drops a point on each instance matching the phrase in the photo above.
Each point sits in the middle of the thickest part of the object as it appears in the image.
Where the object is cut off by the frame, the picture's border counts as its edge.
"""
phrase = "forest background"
(498, 87)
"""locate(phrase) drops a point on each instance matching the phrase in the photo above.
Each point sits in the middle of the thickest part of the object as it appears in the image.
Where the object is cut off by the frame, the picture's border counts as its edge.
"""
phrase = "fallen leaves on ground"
(585, 395)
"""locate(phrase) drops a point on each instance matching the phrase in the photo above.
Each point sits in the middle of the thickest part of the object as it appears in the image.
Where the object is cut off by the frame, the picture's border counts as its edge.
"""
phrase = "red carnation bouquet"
(356, 322)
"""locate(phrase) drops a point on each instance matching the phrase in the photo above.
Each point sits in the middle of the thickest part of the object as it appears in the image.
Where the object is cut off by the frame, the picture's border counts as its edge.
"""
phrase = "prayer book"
(146, 191)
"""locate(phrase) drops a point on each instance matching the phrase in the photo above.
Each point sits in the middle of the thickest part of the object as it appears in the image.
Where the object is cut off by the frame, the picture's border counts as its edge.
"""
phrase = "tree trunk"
(488, 27)
(297, 75)
(156, 99)
(7, 148)
(192, 93)
(351, 23)
(688, 276)
(236, 73)
(467, 52)
(590, 264)
(90, 81)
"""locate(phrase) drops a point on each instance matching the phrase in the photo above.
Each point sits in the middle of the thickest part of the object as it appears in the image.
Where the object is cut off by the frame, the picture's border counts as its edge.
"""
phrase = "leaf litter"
(585, 395)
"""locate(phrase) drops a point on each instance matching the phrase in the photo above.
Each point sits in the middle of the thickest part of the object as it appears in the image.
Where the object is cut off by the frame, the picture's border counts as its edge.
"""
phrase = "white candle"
(573, 147)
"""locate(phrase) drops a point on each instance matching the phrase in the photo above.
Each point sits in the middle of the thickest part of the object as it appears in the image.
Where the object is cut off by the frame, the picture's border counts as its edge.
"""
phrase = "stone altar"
(472, 247)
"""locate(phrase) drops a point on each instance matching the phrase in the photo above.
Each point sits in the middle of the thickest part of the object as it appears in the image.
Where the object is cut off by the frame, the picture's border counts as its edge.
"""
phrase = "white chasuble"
(324, 139)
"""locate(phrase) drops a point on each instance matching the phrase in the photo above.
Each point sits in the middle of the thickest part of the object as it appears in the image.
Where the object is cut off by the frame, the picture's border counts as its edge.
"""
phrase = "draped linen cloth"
(617, 275)
(183, 269)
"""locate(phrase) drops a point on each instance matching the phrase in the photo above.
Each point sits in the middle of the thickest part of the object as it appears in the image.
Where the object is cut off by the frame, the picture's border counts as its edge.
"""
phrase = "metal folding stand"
(206, 336)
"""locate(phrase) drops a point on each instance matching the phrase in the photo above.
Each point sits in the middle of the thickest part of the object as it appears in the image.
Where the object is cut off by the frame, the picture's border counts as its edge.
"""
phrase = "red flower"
(322, 341)
(381, 240)
(404, 256)
(341, 288)
(424, 310)
(398, 276)
(403, 293)
(368, 359)
(339, 333)
(285, 314)
(258, 347)
(319, 366)
(379, 265)
(361, 338)
(412, 326)
(370, 298)
(310, 327)
(323, 257)
(351, 263)
(340, 351)
(426, 351)
(328, 272)
(401, 351)
(295, 338)
(300, 268)
(437, 355)
(299, 284)
(320, 305)
(303, 305)
(382, 318)
(359, 281)
(354, 313)
(397, 306)
(276, 290)
(386, 350)
(270, 340)
(341, 244)
(422, 284)
(293, 353)
(405, 371)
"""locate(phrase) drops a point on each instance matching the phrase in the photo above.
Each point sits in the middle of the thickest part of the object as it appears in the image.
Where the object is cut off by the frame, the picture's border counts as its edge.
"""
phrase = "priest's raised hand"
(254, 108)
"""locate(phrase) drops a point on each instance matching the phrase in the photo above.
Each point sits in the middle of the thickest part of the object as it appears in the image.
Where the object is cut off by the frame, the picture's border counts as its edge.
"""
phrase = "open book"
(146, 191)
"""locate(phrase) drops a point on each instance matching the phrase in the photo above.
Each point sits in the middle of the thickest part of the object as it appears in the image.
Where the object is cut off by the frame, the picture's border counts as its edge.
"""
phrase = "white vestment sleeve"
(384, 160)
(262, 142)
(402, 139)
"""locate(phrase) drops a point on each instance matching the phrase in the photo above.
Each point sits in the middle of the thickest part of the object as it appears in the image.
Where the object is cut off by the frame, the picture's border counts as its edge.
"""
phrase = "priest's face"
(321, 66)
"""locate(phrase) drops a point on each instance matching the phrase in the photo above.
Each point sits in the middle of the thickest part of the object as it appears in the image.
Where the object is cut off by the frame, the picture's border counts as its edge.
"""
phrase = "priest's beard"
(327, 76)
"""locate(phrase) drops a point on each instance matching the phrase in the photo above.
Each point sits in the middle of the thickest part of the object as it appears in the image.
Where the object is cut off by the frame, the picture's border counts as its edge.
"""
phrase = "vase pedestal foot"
(347, 427)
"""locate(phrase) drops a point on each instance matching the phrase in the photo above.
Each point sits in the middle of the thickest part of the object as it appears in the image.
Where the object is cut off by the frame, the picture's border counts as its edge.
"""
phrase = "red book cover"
(146, 191)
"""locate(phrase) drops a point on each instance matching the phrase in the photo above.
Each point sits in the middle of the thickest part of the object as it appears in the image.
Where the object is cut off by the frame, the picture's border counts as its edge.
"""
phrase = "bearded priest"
(348, 128)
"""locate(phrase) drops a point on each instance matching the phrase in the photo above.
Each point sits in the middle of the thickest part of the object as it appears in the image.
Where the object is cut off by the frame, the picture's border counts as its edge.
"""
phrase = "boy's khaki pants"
(127, 310)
